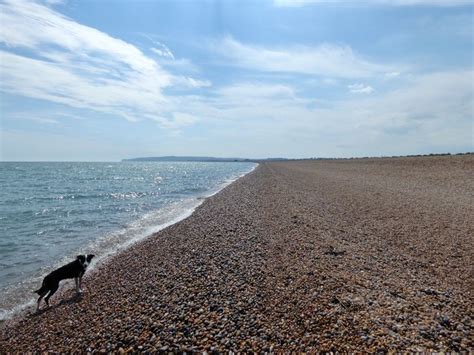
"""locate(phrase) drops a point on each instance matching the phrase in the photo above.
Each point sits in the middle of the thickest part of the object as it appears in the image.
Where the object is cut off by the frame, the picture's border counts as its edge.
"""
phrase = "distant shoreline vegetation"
(247, 160)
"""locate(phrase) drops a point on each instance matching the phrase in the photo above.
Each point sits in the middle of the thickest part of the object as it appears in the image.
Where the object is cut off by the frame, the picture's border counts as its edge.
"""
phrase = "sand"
(346, 255)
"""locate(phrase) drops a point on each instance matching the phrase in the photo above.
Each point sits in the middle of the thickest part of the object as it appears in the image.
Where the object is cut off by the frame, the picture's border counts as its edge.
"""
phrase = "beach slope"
(347, 255)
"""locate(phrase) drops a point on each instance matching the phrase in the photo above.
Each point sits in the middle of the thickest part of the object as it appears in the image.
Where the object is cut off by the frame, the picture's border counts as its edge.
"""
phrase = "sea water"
(50, 212)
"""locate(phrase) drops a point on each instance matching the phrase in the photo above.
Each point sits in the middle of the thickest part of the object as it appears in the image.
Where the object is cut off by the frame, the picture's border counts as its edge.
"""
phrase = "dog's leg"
(52, 291)
(80, 284)
(76, 280)
(42, 294)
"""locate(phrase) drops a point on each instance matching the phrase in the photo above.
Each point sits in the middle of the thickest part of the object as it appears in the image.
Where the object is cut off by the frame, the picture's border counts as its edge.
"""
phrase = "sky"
(87, 80)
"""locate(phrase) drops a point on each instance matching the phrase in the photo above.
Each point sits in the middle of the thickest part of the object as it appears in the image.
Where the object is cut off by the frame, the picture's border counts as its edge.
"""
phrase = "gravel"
(341, 255)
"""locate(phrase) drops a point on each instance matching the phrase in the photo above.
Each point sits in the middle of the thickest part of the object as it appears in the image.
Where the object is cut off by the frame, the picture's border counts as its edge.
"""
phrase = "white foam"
(9, 313)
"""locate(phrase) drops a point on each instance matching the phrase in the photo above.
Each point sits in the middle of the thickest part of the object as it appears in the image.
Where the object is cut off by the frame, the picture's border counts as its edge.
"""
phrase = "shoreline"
(104, 250)
(303, 256)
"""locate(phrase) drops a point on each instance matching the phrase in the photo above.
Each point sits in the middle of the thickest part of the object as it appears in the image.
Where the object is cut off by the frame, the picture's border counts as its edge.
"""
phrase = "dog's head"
(85, 260)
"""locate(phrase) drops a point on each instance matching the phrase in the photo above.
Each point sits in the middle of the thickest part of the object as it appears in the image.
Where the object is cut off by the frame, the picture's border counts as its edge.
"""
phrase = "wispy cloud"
(257, 90)
(180, 119)
(54, 2)
(162, 50)
(437, 100)
(80, 66)
(441, 3)
(38, 118)
(326, 60)
(360, 89)
(392, 74)
(432, 111)
(191, 83)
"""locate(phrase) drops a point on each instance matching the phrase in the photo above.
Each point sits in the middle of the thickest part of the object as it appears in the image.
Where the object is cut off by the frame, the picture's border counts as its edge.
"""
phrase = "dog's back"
(68, 271)
(72, 270)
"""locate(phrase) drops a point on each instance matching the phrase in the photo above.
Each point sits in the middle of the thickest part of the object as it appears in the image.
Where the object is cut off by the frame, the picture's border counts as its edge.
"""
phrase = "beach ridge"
(361, 255)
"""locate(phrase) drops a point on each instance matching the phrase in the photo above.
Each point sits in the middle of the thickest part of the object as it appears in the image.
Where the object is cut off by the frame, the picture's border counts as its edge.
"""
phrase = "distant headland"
(201, 159)
(173, 158)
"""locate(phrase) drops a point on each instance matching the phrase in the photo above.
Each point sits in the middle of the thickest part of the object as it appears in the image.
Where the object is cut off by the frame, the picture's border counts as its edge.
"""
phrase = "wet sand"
(347, 255)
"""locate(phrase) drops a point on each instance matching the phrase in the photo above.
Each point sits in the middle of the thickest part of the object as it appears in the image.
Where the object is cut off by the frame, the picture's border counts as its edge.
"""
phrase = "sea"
(52, 211)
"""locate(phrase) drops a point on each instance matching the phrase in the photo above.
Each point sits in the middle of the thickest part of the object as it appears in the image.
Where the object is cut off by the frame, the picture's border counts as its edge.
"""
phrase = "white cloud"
(31, 25)
(162, 51)
(438, 100)
(392, 74)
(181, 119)
(360, 89)
(177, 121)
(330, 81)
(257, 90)
(60, 85)
(68, 63)
(44, 120)
(181, 65)
(441, 3)
(192, 83)
(432, 113)
(54, 2)
(39, 119)
(325, 60)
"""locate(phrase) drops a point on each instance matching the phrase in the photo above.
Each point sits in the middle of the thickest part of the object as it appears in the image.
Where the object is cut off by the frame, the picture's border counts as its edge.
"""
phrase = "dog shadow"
(75, 298)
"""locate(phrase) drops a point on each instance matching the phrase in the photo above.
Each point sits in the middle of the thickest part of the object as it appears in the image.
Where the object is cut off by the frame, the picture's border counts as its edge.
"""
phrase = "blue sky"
(106, 80)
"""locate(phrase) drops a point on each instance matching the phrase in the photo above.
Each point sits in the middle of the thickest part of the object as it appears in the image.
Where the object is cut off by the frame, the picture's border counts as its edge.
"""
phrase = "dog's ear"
(81, 258)
(89, 257)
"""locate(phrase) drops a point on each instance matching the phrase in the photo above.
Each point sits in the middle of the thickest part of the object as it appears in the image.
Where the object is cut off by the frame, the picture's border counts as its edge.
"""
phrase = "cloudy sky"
(106, 80)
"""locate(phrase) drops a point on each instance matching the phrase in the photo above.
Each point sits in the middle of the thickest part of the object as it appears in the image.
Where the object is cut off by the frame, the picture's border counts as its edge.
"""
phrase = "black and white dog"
(75, 270)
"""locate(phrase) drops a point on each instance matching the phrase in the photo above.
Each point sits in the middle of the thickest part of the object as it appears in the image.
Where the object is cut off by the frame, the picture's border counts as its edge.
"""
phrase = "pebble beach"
(318, 255)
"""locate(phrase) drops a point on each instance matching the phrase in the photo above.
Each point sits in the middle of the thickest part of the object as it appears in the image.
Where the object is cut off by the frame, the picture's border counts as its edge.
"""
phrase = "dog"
(74, 270)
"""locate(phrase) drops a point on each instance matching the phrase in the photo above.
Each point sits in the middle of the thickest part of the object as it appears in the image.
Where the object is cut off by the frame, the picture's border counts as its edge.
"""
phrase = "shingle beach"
(330, 255)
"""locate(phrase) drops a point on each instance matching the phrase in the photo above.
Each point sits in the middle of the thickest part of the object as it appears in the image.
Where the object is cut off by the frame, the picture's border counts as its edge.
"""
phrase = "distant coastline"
(201, 159)
(173, 158)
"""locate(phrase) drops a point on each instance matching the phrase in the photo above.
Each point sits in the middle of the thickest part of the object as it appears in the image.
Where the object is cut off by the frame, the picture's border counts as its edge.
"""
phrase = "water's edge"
(20, 310)
(103, 259)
